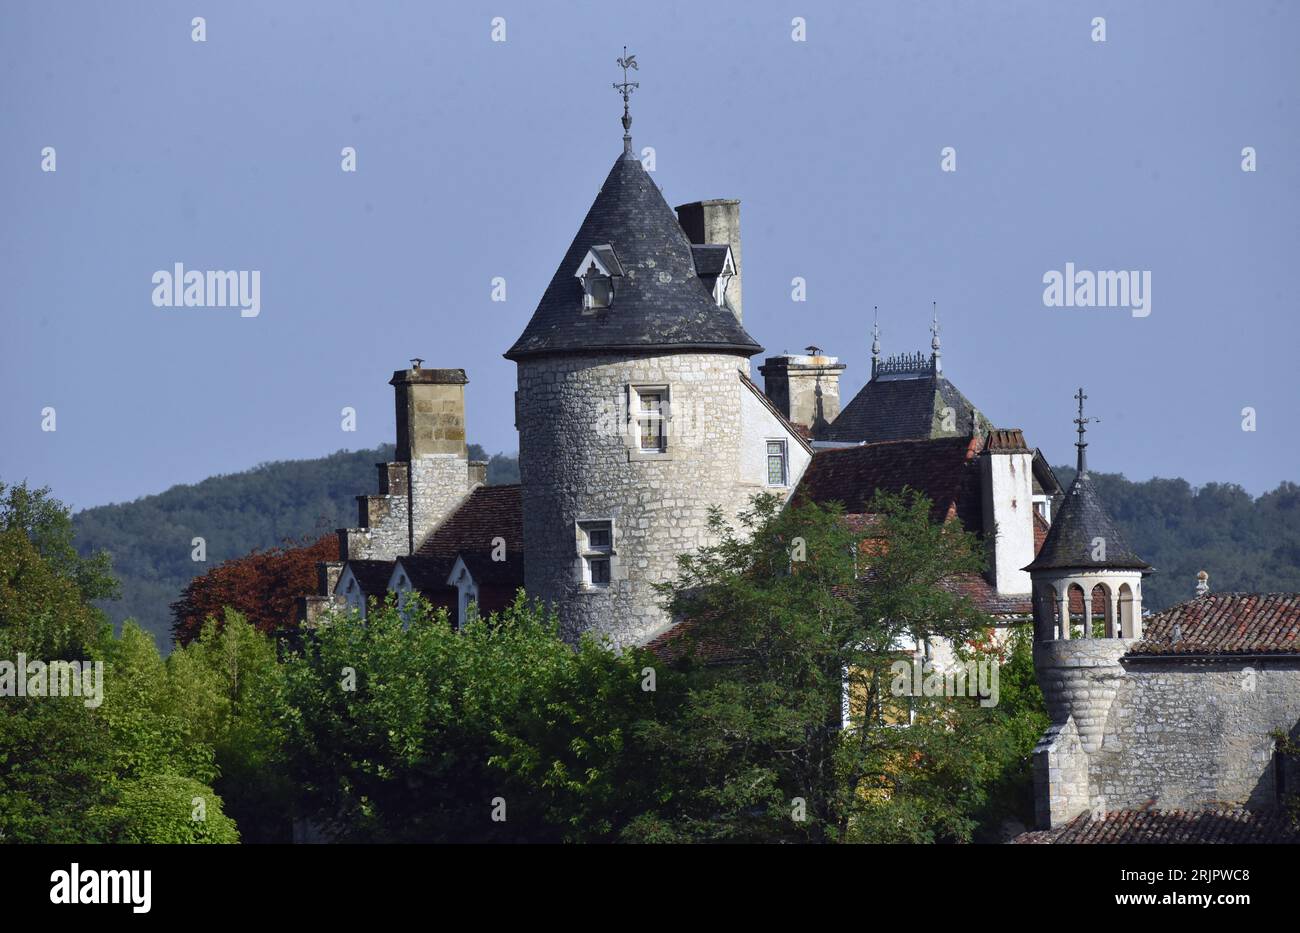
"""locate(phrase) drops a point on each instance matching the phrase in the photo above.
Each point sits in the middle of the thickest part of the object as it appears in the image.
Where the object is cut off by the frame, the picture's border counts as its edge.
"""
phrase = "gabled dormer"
(597, 272)
(715, 265)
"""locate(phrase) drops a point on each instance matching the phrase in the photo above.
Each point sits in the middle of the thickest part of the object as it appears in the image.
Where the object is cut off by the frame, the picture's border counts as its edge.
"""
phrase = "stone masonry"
(579, 461)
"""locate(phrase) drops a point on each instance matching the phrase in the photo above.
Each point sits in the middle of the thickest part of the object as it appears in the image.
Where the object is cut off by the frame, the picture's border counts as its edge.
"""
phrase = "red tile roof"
(1007, 440)
(488, 512)
(982, 594)
(942, 469)
(1165, 827)
(687, 639)
(1225, 624)
(1040, 531)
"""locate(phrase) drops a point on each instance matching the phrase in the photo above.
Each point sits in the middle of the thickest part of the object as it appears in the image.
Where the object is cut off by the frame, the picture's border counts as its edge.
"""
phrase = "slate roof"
(943, 470)
(710, 258)
(1167, 827)
(429, 572)
(1076, 523)
(1224, 624)
(659, 302)
(892, 409)
(372, 575)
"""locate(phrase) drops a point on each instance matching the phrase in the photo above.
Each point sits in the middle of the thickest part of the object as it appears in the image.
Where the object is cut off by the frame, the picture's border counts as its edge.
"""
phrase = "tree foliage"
(403, 729)
(759, 750)
(262, 587)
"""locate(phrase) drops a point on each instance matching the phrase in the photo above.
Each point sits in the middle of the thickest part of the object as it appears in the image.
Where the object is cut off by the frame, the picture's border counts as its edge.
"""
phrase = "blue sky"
(478, 159)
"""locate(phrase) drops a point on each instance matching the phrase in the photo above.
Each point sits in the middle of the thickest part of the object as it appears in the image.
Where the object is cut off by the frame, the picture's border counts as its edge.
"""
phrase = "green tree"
(807, 609)
(163, 809)
(126, 770)
(404, 729)
(229, 687)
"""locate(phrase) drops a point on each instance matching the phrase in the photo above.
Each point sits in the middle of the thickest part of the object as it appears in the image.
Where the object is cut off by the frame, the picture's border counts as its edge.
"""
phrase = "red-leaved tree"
(263, 586)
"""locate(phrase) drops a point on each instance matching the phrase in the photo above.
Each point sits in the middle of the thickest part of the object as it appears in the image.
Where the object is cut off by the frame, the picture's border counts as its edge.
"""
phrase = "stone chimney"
(716, 221)
(431, 476)
(806, 389)
(430, 412)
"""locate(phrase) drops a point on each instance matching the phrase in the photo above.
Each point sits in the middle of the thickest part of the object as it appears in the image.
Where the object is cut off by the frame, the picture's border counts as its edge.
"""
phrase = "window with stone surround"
(596, 547)
(649, 417)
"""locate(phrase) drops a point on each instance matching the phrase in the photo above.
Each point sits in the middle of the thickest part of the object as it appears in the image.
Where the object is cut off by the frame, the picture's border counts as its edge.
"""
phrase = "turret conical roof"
(1080, 521)
(659, 301)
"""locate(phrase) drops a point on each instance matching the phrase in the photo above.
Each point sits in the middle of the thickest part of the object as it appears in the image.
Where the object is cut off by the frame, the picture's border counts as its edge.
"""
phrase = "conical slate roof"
(1081, 520)
(659, 301)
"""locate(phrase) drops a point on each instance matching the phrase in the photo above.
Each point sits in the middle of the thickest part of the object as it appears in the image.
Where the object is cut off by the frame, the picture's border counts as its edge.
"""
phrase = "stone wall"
(438, 486)
(578, 461)
(1191, 735)
(1080, 678)
(1061, 786)
(1175, 733)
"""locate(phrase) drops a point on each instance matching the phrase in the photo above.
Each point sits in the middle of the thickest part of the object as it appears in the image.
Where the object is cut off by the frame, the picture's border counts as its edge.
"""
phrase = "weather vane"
(626, 89)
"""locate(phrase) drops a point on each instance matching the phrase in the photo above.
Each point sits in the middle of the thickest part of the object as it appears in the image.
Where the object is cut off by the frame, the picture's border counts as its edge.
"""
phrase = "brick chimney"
(716, 221)
(806, 389)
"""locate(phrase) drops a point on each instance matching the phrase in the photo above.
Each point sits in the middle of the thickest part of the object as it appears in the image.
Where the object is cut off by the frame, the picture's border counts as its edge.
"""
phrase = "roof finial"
(1081, 443)
(626, 89)
(934, 341)
(875, 338)
(1202, 583)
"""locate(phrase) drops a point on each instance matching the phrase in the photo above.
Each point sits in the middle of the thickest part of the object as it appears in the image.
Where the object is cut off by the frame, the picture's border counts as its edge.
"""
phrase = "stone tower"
(1085, 575)
(629, 405)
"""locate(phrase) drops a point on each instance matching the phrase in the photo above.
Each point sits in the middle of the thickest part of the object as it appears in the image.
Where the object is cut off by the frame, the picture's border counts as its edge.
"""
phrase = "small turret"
(1087, 585)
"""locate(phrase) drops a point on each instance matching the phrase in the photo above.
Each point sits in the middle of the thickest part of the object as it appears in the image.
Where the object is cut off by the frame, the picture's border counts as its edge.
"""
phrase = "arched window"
(1103, 624)
(1128, 625)
(1078, 612)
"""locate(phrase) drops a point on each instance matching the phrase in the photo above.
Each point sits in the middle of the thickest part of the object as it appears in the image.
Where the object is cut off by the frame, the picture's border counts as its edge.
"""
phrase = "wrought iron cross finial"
(626, 89)
(1082, 422)
(935, 355)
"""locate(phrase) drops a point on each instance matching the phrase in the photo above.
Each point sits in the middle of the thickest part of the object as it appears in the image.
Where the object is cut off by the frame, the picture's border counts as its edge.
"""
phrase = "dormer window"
(597, 272)
(716, 267)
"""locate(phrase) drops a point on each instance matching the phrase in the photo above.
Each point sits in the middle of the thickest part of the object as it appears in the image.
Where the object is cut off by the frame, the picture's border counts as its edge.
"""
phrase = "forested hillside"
(1245, 544)
(287, 501)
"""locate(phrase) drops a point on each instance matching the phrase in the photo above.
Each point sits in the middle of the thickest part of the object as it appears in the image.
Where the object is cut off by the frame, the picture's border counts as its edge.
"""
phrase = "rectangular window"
(776, 465)
(650, 420)
(596, 544)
